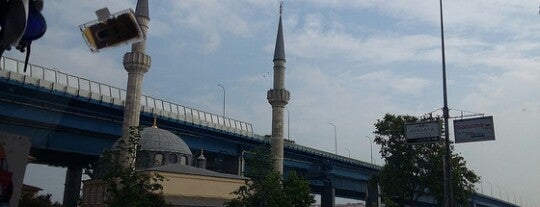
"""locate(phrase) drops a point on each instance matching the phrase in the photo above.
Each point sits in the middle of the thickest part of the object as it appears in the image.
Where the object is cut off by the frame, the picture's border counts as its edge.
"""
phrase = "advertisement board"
(474, 130)
(423, 132)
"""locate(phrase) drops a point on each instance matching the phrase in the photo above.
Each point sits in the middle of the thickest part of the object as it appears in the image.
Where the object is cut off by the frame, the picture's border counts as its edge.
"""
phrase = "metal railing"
(62, 82)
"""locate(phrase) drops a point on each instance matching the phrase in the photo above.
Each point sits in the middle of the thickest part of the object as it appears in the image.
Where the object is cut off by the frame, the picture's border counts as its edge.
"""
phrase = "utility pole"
(448, 193)
(335, 135)
(222, 87)
(371, 147)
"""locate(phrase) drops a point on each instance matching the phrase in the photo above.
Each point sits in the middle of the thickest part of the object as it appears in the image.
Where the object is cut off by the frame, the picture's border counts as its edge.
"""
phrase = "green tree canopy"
(28, 200)
(267, 189)
(412, 171)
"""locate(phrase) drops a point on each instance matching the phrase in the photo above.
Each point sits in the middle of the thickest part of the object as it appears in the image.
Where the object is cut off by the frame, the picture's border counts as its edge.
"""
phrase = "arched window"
(173, 158)
(158, 159)
(183, 160)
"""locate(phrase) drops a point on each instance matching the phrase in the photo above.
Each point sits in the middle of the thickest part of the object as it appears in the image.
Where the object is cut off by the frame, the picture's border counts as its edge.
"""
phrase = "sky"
(348, 63)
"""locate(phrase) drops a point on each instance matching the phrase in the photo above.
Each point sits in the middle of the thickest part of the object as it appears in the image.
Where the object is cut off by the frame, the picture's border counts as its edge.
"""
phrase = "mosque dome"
(160, 140)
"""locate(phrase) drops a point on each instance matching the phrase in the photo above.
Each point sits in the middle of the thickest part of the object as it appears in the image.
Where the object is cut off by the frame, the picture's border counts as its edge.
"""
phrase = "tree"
(412, 171)
(125, 185)
(267, 189)
(29, 200)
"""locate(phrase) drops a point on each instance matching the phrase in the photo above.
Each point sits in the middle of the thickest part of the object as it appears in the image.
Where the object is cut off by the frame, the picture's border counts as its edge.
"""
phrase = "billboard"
(111, 30)
(423, 132)
(474, 130)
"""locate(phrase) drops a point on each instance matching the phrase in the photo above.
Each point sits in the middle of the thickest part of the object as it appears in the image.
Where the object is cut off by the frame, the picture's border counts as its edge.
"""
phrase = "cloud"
(401, 84)
(212, 19)
(313, 40)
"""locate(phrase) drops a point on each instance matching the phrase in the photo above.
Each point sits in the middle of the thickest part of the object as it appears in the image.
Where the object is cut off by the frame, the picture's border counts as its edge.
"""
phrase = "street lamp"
(448, 191)
(223, 98)
(490, 188)
(481, 187)
(371, 144)
(335, 134)
(349, 151)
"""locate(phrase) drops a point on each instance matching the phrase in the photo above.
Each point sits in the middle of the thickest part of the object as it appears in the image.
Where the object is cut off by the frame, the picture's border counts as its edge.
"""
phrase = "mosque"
(187, 181)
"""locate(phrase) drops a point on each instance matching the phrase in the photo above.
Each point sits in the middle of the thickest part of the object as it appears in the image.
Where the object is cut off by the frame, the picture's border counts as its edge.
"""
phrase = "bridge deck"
(54, 80)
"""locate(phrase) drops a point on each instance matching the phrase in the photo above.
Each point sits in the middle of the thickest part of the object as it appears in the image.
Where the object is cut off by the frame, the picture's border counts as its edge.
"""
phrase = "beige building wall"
(175, 184)
(199, 186)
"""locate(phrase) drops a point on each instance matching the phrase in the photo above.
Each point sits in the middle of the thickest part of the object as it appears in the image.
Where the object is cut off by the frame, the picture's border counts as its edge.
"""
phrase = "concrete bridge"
(71, 120)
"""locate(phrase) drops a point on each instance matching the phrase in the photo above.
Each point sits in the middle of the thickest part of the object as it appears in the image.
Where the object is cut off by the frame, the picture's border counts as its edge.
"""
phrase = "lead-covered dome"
(160, 140)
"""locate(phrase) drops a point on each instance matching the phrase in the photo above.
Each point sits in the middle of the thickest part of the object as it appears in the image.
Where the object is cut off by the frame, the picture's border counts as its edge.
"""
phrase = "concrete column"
(372, 197)
(72, 187)
(328, 196)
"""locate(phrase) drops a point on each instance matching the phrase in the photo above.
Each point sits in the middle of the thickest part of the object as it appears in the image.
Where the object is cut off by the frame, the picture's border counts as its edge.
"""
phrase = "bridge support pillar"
(372, 197)
(328, 196)
(72, 186)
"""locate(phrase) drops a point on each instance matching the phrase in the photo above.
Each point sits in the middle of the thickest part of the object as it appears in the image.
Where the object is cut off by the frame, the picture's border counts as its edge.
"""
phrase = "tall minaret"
(136, 64)
(278, 97)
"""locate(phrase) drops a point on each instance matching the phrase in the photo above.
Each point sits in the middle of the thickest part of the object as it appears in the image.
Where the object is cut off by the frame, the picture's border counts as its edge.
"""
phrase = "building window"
(173, 158)
(183, 160)
(158, 159)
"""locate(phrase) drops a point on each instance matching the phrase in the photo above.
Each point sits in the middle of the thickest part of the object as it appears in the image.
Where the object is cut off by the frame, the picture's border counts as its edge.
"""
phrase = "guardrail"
(62, 82)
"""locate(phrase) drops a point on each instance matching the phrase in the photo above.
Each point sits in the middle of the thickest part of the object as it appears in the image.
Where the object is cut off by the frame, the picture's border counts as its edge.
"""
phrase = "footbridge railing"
(51, 79)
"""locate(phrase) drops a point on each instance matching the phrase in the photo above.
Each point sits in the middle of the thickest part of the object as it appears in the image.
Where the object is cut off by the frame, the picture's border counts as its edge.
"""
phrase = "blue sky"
(348, 62)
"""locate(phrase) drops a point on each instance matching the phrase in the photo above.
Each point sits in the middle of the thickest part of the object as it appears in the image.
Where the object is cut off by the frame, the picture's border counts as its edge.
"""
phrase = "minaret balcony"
(136, 62)
(278, 97)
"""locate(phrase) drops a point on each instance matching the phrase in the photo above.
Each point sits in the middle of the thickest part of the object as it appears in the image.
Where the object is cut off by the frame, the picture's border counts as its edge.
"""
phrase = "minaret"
(278, 97)
(136, 64)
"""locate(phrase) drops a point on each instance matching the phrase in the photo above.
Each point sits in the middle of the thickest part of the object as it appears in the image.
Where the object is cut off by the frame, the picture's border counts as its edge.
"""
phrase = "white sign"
(14, 151)
(423, 132)
(474, 130)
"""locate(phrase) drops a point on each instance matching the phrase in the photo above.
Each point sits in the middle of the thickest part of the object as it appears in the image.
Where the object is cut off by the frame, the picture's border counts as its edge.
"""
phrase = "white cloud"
(401, 84)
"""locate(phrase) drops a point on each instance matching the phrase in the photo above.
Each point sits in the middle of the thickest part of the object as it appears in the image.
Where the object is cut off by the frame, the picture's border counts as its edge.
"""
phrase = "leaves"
(411, 171)
(267, 189)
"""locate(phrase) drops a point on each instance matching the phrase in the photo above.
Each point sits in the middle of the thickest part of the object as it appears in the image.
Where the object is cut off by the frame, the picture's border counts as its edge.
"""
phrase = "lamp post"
(481, 187)
(490, 188)
(371, 147)
(335, 135)
(349, 151)
(223, 98)
(499, 188)
(448, 191)
(288, 124)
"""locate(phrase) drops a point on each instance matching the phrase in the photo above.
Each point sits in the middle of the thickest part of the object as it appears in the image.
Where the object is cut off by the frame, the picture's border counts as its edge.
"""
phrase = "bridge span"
(71, 120)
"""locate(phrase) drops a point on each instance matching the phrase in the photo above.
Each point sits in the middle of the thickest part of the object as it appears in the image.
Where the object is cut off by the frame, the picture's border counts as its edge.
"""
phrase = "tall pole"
(481, 187)
(222, 87)
(335, 135)
(371, 147)
(349, 151)
(490, 188)
(448, 193)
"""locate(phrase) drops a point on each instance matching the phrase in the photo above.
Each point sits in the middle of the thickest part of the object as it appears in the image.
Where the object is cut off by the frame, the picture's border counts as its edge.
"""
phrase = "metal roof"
(155, 139)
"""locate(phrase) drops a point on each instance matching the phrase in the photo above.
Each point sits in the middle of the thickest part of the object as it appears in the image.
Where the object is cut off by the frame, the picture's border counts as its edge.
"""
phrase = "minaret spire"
(279, 51)
(278, 97)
